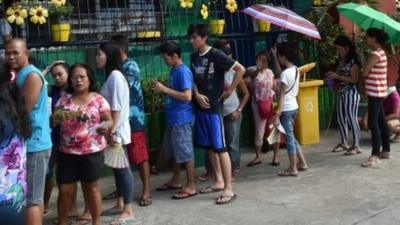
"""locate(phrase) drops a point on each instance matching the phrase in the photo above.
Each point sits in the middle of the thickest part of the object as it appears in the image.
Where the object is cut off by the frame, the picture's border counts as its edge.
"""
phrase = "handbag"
(265, 108)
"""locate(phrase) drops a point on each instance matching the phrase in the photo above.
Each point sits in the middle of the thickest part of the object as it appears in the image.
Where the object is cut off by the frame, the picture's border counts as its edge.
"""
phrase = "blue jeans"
(232, 138)
(124, 182)
(287, 120)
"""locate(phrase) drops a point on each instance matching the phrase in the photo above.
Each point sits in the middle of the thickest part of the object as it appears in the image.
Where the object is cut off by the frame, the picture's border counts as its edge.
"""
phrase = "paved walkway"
(335, 190)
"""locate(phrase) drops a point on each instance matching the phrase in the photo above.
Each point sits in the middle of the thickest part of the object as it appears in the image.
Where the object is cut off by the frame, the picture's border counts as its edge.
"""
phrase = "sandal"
(287, 173)
(353, 151)
(340, 148)
(222, 200)
(385, 155)
(183, 194)
(210, 189)
(146, 201)
(371, 162)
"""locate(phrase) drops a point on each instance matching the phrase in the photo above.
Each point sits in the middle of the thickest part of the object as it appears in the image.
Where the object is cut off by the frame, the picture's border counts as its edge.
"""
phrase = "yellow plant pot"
(148, 34)
(217, 26)
(263, 26)
(60, 32)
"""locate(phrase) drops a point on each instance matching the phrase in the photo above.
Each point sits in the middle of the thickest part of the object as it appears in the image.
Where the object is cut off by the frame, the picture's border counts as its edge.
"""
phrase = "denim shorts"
(287, 120)
(36, 168)
(178, 143)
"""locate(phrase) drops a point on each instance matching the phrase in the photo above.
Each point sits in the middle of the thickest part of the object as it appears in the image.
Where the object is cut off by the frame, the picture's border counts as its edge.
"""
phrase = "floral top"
(262, 85)
(13, 186)
(78, 135)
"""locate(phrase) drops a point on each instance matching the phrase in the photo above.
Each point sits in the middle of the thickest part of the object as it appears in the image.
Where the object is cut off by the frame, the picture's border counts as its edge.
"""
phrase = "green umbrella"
(367, 17)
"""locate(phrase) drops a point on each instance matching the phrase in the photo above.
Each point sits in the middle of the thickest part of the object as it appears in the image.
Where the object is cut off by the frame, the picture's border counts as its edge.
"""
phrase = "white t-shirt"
(231, 104)
(288, 77)
(116, 91)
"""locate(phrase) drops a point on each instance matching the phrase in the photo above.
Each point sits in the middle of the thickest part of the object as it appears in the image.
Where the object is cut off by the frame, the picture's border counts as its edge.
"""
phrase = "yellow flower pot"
(148, 34)
(217, 26)
(263, 26)
(60, 32)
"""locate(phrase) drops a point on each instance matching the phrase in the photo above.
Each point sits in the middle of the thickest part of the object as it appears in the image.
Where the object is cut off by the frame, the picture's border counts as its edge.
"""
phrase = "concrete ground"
(335, 190)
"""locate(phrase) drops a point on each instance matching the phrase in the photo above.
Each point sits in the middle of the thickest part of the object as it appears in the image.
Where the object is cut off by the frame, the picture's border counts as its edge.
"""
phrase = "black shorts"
(86, 168)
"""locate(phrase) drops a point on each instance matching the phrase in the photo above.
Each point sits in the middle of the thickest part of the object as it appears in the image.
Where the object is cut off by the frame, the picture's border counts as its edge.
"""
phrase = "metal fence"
(147, 23)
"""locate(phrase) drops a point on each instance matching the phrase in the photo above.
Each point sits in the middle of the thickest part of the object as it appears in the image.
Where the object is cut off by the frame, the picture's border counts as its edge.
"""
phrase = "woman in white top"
(287, 107)
(116, 91)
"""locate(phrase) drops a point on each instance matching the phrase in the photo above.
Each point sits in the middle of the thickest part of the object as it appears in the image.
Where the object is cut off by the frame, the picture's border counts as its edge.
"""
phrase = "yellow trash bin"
(307, 122)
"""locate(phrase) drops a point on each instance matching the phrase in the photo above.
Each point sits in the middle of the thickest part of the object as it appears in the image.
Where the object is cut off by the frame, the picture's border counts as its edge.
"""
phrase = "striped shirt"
(376, 82)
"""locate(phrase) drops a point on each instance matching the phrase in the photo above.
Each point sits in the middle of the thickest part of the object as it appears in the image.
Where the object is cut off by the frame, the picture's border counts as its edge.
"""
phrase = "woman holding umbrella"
(375, 75)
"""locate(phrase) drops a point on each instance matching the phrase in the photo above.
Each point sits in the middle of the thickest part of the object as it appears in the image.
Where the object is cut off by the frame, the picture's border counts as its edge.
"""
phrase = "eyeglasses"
(79, 77)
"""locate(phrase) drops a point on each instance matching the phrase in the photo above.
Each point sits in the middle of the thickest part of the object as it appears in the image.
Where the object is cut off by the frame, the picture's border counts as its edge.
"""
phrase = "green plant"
(322, 51)
(60, 13)
(153, 102)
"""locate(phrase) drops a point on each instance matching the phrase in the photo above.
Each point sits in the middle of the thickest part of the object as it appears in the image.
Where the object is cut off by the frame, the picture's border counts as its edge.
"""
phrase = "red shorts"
(137, 150)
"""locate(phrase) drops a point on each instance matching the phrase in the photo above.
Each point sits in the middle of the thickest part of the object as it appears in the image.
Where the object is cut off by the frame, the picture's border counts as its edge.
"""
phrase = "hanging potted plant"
(59, 11)
(262, 26)
(217, 25)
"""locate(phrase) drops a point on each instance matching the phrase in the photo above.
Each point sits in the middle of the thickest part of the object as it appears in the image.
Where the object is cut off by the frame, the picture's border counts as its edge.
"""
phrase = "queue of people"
(203, 107)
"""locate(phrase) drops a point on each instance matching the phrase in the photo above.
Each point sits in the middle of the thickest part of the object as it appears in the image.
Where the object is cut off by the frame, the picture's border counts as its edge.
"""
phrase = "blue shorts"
(178, 143)
(209, 131)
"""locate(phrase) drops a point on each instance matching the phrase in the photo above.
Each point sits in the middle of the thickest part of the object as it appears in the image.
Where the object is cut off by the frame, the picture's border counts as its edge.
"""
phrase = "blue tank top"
(40, 139)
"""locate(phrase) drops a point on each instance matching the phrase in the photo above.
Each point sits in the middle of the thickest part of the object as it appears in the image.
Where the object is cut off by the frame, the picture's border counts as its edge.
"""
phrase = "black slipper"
(183, 194)
(166, 187)
(253, 163)
(277, 163)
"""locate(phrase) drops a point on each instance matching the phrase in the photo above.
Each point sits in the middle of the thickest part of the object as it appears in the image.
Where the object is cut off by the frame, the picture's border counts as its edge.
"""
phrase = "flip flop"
(223, 200)
(253, 163)
(47, 212)
(210, 189)
(83, 221)
(166, 187)
(111, 212)
(123, 221)
(203, 177)
(287, 173)
(183, 194)
(302, 168)
(110, 196)
(146, 202)
(277, 163)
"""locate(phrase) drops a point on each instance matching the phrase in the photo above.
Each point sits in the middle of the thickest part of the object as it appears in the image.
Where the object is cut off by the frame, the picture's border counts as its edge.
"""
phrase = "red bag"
(265, 108)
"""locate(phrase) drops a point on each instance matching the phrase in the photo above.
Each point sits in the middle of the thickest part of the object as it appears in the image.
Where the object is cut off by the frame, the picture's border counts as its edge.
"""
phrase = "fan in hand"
(114, 156)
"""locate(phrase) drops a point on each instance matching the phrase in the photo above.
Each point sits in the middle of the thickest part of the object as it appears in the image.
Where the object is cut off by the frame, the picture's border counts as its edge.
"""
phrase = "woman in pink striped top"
(375, 78)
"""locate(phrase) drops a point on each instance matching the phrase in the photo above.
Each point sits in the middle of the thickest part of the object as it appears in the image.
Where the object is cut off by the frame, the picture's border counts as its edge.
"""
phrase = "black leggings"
(377, 124)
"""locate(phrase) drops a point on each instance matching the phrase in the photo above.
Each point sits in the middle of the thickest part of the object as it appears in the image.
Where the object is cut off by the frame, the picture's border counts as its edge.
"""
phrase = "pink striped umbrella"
(283, 18)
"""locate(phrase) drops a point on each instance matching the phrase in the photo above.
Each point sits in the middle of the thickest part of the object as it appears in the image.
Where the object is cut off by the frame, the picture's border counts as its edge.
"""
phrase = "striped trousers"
(347, 112)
